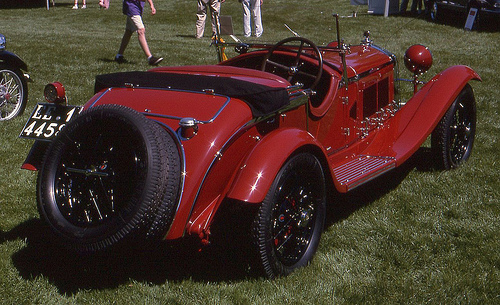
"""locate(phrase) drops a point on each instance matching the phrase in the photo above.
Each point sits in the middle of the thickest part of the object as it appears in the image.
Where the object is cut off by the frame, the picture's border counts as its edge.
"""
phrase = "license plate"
(47, 120)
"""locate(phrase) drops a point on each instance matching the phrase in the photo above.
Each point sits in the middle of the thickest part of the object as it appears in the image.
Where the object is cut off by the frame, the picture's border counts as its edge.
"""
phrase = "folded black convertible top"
(261, 99)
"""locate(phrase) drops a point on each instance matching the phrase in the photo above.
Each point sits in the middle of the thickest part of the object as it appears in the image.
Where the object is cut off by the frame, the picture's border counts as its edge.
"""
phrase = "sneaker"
(153, 61)
(120, 59)
(75, 7)
(84, 6)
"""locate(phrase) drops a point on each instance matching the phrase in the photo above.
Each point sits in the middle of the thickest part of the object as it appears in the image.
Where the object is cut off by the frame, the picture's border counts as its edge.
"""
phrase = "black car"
(487, 9)
(13, 83)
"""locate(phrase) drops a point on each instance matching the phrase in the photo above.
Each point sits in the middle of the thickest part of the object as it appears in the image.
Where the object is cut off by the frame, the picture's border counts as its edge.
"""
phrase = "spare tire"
(106, 176)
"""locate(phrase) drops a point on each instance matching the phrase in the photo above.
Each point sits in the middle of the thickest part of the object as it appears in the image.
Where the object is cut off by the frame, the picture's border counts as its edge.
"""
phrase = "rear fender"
(35, 156)
(10, 59)
(426, 108)
(259, 169)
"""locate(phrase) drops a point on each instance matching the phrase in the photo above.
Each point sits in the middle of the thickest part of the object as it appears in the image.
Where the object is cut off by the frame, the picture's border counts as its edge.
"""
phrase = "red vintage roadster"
(282, 127)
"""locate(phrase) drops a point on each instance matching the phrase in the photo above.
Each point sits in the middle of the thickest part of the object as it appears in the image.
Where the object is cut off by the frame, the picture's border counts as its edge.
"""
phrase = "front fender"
(418, 118)
(11, 59)
(259, 169)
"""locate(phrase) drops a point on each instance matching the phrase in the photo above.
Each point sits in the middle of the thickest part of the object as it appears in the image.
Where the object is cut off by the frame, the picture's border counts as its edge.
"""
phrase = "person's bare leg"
(142, 41)
(125, 41)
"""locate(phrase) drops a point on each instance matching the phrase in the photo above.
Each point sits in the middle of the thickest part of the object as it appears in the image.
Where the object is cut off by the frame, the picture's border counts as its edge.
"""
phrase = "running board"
(361, 169)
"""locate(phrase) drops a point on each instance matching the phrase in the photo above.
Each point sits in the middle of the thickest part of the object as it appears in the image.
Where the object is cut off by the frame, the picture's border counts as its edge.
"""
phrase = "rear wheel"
(453, 138)
(13, 93)
(106, 176)
(289, 223)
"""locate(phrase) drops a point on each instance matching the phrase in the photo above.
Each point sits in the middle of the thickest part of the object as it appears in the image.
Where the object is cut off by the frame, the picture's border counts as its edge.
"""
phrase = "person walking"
(201, 15)
(251, 11)
(133, 10)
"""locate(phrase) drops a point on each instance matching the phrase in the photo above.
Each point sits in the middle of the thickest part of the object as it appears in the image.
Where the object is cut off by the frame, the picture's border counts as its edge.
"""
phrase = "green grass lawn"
(414, 236)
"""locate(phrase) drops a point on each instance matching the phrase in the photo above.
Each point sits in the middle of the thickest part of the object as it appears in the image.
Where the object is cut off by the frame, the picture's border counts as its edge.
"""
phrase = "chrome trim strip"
(372, 176)
(99, 97)
(197, 121)
(216, 158)
(170, 116)
(357, 77)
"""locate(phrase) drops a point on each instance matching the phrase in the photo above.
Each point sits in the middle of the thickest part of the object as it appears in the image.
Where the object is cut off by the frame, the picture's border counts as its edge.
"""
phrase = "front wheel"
(453, 138)
(289, 223)
(13, 93)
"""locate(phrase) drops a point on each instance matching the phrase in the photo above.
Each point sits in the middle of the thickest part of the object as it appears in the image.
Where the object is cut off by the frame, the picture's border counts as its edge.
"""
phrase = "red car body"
(233, 150)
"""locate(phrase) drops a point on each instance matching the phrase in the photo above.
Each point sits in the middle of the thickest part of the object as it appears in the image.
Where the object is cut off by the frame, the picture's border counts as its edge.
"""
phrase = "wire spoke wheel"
(96, 175)
(293, 222)
(453, 138)
(13, 91)
(460, 134)
(290, 220)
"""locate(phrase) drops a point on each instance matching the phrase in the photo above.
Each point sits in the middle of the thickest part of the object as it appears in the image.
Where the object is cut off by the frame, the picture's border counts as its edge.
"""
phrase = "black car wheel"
(289, 223)
(13, 93)
(105, 178)
(453, 138)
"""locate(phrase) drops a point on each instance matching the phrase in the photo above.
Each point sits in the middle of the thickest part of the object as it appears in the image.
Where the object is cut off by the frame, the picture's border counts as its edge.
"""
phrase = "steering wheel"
(293, 71)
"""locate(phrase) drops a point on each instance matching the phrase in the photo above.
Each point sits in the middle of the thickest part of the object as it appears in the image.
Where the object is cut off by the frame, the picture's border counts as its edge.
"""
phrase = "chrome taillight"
(55, 93)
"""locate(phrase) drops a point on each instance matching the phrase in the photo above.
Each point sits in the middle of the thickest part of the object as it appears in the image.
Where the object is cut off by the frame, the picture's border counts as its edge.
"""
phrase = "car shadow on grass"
(342, 205)
(146, 263)
(226, 259)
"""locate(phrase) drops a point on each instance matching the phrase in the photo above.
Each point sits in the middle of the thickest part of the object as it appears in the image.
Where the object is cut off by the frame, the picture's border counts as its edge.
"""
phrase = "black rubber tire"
(105, 178)
(12, 83)
(288, 226)
(453, 138)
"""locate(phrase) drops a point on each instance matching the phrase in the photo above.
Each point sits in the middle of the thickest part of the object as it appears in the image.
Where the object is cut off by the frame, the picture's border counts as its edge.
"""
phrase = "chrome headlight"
(2, 42)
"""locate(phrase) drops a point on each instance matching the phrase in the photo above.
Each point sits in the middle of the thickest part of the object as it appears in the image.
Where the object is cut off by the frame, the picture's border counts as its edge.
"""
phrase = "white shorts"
(134, 23)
